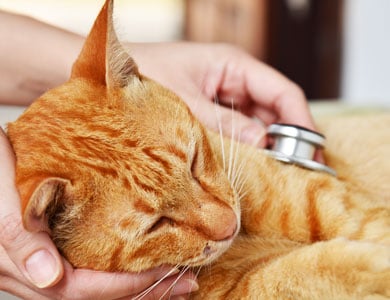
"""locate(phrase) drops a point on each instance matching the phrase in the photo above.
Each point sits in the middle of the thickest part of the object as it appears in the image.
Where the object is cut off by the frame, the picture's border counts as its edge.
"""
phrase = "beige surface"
(6, 296)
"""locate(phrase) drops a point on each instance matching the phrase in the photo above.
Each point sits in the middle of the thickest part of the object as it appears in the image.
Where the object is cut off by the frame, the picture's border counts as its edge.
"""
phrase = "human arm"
(34, 57)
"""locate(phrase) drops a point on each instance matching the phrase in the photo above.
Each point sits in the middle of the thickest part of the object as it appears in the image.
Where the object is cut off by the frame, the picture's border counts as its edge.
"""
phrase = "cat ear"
(103, 59)
(46, 192)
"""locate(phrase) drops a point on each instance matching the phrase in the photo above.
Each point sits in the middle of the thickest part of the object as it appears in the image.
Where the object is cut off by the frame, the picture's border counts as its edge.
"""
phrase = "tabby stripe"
(164, 163)
(143, 206)
(112, 133)
(146, 187)
(102, 170)
(115, 260)
(89, 148)
(177, 152)
(130, 143)
(285, 221)
(265, 206)
(126, 183)
(312, 213)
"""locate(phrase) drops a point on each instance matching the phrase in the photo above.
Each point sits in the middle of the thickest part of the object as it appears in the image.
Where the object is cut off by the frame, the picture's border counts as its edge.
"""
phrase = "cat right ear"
(49, 191)
(103, 59)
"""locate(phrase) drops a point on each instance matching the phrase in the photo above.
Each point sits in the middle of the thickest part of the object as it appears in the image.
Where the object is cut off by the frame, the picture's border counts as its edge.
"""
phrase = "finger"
(34, 254)
(179, 286)
(88, 284)
(230, 123)
(272, 90)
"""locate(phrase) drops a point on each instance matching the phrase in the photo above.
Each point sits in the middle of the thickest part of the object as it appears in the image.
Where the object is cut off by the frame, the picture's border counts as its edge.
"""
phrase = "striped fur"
(122, 175)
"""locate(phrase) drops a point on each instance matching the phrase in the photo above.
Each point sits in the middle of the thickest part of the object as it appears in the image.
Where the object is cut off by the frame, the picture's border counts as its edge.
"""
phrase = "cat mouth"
(210, 253)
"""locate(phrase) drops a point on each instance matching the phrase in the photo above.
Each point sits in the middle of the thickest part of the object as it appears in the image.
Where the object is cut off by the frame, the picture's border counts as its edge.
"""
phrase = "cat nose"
(227, 233)
(225, 226)
(213, 219)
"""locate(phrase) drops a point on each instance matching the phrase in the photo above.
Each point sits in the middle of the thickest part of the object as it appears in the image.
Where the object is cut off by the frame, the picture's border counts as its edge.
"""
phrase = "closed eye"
(194, 164)
(161, 222)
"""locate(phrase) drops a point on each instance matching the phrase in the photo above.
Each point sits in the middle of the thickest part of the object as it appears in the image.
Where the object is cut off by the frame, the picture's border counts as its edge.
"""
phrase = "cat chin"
(212, 251)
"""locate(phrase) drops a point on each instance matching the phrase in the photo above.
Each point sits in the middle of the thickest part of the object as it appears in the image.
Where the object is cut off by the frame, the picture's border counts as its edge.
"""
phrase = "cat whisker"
(239, 179)
(169, 289)
(198, 272)
(195, 108)
(219, 121)
(237, 167)
(144, 293)
(231, 151)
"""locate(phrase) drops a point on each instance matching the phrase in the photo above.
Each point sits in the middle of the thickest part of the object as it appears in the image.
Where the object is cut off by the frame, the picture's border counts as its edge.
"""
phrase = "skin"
(40, 57)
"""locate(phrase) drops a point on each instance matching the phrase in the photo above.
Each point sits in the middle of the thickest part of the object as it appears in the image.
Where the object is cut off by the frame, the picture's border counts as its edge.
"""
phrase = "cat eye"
(194, 164)
(161, 222)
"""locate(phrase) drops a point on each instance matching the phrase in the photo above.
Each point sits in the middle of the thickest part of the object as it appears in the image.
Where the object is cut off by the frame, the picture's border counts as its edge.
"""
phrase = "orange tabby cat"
(124, 178)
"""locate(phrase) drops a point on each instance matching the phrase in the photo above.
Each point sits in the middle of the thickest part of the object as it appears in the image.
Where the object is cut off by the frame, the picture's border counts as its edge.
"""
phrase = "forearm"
(34, 57)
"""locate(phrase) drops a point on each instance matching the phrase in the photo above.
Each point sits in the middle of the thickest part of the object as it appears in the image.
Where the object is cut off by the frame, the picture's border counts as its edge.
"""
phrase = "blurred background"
(334, 49)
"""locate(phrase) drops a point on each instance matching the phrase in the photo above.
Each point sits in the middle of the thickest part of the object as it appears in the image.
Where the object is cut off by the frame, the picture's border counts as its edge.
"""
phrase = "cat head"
(118, 171)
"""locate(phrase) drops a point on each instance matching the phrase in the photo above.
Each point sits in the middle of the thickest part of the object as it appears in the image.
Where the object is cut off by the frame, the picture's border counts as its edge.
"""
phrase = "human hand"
(32, 268)
(201, 72)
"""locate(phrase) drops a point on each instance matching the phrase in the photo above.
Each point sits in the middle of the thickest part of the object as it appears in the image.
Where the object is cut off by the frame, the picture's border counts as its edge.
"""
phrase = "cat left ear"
(48, 191)
(103, 59)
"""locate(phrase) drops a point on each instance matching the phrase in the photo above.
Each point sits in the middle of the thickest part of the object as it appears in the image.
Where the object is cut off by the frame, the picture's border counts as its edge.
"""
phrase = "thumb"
(34, 254)
(231, 123)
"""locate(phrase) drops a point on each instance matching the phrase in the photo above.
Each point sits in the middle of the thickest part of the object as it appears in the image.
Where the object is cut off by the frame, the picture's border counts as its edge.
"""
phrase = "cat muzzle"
(297, 145)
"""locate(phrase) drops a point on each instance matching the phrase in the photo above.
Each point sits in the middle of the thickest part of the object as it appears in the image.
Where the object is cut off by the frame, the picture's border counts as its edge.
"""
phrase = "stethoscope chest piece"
(297, 145)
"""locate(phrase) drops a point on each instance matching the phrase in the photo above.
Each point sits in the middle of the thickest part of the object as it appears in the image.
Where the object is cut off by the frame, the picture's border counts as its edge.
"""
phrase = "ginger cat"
(122, 175)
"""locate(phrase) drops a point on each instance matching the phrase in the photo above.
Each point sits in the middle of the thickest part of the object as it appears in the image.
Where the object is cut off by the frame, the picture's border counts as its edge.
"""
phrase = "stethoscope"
(297, 145)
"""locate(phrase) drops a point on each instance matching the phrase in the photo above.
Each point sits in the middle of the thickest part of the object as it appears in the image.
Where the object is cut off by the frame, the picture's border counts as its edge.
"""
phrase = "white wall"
(136, 20)
(366, 61)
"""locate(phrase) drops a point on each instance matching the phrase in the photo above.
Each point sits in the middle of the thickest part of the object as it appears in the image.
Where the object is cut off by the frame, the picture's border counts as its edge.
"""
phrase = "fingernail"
(185, 286)
(253, 135)
(42, 268)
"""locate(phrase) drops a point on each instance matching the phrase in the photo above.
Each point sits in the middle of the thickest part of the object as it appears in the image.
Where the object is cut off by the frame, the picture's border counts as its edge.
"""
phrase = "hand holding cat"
(203, 74)
(32, 268)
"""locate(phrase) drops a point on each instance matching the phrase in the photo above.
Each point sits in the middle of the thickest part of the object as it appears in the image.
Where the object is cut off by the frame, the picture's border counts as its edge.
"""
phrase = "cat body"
(122, 175)
(306, 234)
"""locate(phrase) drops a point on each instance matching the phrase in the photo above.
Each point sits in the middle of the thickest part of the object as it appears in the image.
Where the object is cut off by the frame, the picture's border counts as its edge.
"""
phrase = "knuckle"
(296, 91)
